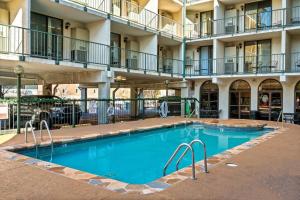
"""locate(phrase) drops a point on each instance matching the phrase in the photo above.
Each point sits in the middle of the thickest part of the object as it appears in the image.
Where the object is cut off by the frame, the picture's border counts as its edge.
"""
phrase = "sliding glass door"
(257, 56)
(205, 60)
(206, 28)
(115, 43)
(258, 15)
(46, 36)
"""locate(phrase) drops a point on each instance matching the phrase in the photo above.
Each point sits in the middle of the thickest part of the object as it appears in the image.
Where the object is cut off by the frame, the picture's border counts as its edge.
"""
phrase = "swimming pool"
(140, 158)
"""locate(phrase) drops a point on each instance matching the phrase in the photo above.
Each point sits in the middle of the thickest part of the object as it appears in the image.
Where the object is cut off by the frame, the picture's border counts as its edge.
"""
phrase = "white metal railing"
(43, 122)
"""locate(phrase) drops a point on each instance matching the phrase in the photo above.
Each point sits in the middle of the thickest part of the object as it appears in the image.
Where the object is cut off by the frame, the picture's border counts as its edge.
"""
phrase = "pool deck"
(270, 170)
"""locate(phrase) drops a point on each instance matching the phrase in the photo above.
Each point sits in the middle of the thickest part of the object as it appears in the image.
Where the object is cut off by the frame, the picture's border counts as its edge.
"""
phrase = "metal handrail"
(26, 130)
(280, 116)
(204, 154)
(44, 122)
(33, 134)
(175, 153)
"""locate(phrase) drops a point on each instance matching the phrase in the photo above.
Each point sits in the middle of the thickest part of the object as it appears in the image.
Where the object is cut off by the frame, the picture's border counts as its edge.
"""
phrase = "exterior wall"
(19, 13)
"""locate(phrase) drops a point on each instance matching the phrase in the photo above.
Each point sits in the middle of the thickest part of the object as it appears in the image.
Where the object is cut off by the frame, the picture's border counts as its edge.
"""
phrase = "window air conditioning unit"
(79, 44)
(229, 66)
(132, 63)
(229, 27)
(79, 55)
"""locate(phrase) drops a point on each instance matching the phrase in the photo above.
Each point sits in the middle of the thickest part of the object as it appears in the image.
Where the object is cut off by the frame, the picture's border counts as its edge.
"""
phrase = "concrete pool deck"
(270, 170)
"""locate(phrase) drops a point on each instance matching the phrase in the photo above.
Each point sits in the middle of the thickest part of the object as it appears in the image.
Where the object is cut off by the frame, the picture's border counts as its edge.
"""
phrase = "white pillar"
(254, 95)
(133, 104)
(224, 100)
(104, 94)
(218, 54)
(288, 96)
(83, 98)
(184, 94)
(197, 96)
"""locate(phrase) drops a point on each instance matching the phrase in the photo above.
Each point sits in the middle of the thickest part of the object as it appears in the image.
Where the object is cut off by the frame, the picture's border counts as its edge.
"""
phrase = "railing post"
(57, 60)
(73, 114)
(23, 41)
(19, 104)
(145, 62)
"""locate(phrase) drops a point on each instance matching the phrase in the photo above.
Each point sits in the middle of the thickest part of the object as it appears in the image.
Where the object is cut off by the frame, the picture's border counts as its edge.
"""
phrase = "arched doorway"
(209, 100)
(297, 103)
(239, 100)
(269, 99)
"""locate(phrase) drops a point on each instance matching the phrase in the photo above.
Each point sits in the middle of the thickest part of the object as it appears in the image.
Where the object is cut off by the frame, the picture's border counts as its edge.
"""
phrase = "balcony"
(264, 64)
(202, 67)
(170, 27)
(134, 13)
(250, 64)
(43, 45)
(170, 66)
(27, 43)
(134, 60)
(99, 5)
(256, 22)
(293, 16)
(295, 62)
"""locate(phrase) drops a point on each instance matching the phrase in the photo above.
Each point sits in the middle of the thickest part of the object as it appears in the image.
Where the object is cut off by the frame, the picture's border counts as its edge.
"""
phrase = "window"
(240, 100)
(209, 100)
(269, 99)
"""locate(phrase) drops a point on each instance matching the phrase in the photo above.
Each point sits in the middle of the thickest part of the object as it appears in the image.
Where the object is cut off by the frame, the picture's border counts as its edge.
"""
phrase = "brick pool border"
(121, 187)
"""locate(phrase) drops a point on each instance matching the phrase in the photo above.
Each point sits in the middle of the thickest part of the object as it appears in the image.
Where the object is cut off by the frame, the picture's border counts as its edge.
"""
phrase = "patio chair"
(289, 118)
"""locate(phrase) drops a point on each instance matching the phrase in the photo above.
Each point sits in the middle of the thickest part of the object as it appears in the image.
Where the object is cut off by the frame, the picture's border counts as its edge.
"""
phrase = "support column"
(19, 104)
(254, 100)
(218, 52)
(104, 96)
(184, 94)
(223, 100)
(197, 96)
(83, 97)
(288, 97)
(133, 102)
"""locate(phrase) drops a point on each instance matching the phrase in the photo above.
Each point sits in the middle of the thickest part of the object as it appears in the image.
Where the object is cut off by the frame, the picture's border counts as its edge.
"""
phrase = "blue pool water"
(140, 158)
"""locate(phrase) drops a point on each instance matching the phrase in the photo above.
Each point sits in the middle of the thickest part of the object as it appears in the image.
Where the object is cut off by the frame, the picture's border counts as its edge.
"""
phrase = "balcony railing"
(250, 64)
(101, 5)
(293, 16)
(134, 13)
(238, 24)
(237, 65)
(202, 67)
(170, 26)
(295, 62)
(135, 60)
(200, 30)
(170, 66)
(38, 44)
(33, 43)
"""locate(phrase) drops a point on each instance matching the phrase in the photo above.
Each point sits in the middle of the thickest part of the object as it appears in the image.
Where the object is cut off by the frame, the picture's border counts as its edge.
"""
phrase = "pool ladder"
(189, 147)
(43, 122)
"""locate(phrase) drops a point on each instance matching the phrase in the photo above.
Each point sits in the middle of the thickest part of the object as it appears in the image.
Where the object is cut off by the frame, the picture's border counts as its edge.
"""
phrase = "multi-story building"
(239, 58)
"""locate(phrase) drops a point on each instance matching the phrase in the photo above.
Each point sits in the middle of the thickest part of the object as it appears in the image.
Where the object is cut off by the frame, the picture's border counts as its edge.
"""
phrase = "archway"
(269, 99)
(239, 100)
(209, 100)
